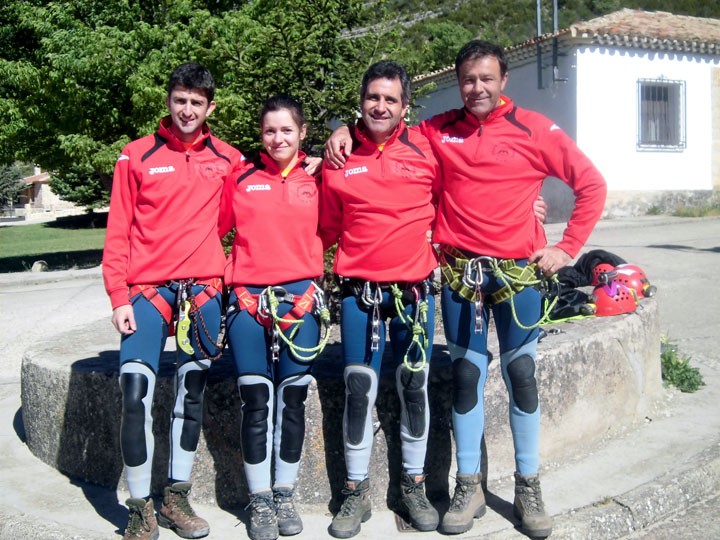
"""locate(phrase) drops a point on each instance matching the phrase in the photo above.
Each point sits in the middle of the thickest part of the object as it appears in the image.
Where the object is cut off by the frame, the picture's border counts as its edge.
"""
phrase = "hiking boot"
(263, 523)
(141, 521)
(468, 503)
(421, 514)
(529, 508)
(288, 520)
(177, 514)
(355, 510)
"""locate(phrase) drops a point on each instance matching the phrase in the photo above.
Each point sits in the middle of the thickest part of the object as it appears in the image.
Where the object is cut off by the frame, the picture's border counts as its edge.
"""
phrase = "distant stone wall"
(597, 377)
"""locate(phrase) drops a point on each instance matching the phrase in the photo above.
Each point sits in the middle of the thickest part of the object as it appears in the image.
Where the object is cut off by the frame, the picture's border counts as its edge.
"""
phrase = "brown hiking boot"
(354, 511)
(177, 514)
(141, 521)
(529, 508)
(420, 513)
(468, 503)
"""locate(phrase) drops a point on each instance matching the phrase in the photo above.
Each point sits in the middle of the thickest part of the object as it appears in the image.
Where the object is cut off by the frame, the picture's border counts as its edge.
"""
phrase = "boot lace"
(416, 494)
(531, 497)
(262, 509)
(183, 503)
(284, 504)
(137, 524)
(460, 498)
(352, 498)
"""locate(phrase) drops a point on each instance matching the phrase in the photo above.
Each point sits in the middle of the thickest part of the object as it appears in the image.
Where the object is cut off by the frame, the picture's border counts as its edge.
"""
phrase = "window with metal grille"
(661, 114)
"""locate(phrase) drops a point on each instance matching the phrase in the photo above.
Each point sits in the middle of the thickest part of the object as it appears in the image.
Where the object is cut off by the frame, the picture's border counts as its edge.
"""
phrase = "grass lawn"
(73, 242)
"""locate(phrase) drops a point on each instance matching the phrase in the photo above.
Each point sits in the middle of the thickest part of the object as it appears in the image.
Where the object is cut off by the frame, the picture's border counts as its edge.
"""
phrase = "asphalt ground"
(659, 480)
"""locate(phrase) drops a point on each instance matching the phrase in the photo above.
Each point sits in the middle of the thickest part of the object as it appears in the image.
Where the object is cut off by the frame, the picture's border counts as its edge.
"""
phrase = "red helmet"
(633, 277)
(602, 268)
(613, 299)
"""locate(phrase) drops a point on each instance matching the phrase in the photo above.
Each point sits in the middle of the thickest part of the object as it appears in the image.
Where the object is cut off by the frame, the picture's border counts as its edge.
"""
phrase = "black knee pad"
(293, 422)
(194, 382)
(465, 381)
(134, 387)
(413, 395)
(255, 414)
(358, 387)
(521, 373)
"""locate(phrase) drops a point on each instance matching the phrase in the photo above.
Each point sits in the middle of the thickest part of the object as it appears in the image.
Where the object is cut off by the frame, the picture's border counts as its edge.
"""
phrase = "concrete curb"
(649, 503)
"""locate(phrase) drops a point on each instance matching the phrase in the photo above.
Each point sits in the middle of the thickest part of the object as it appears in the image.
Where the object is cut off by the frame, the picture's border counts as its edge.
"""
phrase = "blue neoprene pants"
(469, 353)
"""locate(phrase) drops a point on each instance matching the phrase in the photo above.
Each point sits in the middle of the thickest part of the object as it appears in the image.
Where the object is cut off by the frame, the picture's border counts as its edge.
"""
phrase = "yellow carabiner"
(183, 328)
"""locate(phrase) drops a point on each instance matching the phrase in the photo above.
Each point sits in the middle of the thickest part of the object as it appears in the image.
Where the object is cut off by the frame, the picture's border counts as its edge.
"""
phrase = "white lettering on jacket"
(355, 170)
(449, 139)
(158, 170)
(257, 187)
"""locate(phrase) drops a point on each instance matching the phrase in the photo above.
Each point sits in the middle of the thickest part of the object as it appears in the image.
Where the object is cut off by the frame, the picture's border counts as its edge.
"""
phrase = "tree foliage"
(10, 184)
(79, 79)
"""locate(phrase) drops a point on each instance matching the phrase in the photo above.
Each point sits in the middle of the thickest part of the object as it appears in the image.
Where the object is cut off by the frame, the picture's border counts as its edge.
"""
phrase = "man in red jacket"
(380, 209)
(494, 158)
(163, 261)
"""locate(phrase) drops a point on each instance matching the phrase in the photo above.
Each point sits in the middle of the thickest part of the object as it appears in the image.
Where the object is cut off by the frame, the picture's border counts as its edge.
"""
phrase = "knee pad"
(190, 391)
(521, 374)
(256, 395)
(137, 384)
(360, 394)
(290, 425)
(412, 390)
(466, 376)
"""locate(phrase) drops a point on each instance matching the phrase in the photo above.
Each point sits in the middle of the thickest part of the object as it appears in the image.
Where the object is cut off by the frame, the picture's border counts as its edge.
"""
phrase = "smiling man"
(379, 210)
(495, 157)
(162, 263)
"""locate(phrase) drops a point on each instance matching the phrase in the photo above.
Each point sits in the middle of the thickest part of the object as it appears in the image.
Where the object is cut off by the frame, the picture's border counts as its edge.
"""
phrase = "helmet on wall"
(613, 299)
(632, 276)
(600, 273)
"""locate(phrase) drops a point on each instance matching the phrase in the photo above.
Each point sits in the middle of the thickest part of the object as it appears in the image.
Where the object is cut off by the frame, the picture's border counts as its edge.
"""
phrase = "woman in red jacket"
(273, 319)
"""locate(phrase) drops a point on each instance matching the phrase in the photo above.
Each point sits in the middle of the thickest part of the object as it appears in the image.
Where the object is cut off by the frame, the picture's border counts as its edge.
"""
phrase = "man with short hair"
(380, 209)
(163, 261)
(495, 157)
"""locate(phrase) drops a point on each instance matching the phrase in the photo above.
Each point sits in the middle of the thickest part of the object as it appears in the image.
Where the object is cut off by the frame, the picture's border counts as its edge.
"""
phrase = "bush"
(676, 370)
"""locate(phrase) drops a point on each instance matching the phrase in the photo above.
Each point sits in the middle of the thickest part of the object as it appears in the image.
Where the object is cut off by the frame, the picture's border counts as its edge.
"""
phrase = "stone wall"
(597, 377)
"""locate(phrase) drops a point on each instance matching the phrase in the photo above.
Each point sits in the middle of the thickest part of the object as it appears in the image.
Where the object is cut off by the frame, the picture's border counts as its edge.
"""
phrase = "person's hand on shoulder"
(313, 165)
(337, 147)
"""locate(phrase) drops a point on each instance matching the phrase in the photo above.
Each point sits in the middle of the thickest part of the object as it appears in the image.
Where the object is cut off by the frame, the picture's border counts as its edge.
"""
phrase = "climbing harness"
(466, 276)
(370, 295)
(187, 307)
(264, 308)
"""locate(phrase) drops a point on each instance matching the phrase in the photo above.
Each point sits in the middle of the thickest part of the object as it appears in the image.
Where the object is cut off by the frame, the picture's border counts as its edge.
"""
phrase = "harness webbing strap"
(150, 292)
(465, 276)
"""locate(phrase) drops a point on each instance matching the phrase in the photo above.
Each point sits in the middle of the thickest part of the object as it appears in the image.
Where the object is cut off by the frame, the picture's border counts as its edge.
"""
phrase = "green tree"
(79, 79)
(10, 184)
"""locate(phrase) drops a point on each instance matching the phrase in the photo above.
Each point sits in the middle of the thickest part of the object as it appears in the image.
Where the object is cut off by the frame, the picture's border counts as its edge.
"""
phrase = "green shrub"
(676, 370)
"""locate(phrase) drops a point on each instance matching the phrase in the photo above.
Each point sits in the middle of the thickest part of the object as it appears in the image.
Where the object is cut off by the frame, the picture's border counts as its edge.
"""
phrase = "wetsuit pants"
(469, 353)
(139, 364)
(272, 394)
(361, 374)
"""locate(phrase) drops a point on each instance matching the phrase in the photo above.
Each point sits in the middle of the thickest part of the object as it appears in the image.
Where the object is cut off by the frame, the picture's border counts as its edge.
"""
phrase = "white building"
(639, 92)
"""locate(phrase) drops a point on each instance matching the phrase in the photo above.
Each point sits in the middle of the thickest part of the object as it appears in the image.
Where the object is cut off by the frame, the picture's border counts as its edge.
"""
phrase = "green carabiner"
(183, 328)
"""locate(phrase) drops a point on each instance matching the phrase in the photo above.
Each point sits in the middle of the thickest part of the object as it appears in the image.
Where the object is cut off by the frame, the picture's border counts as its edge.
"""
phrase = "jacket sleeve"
(330, 221)
(116, 253)
(226, 218)
(568, 163)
